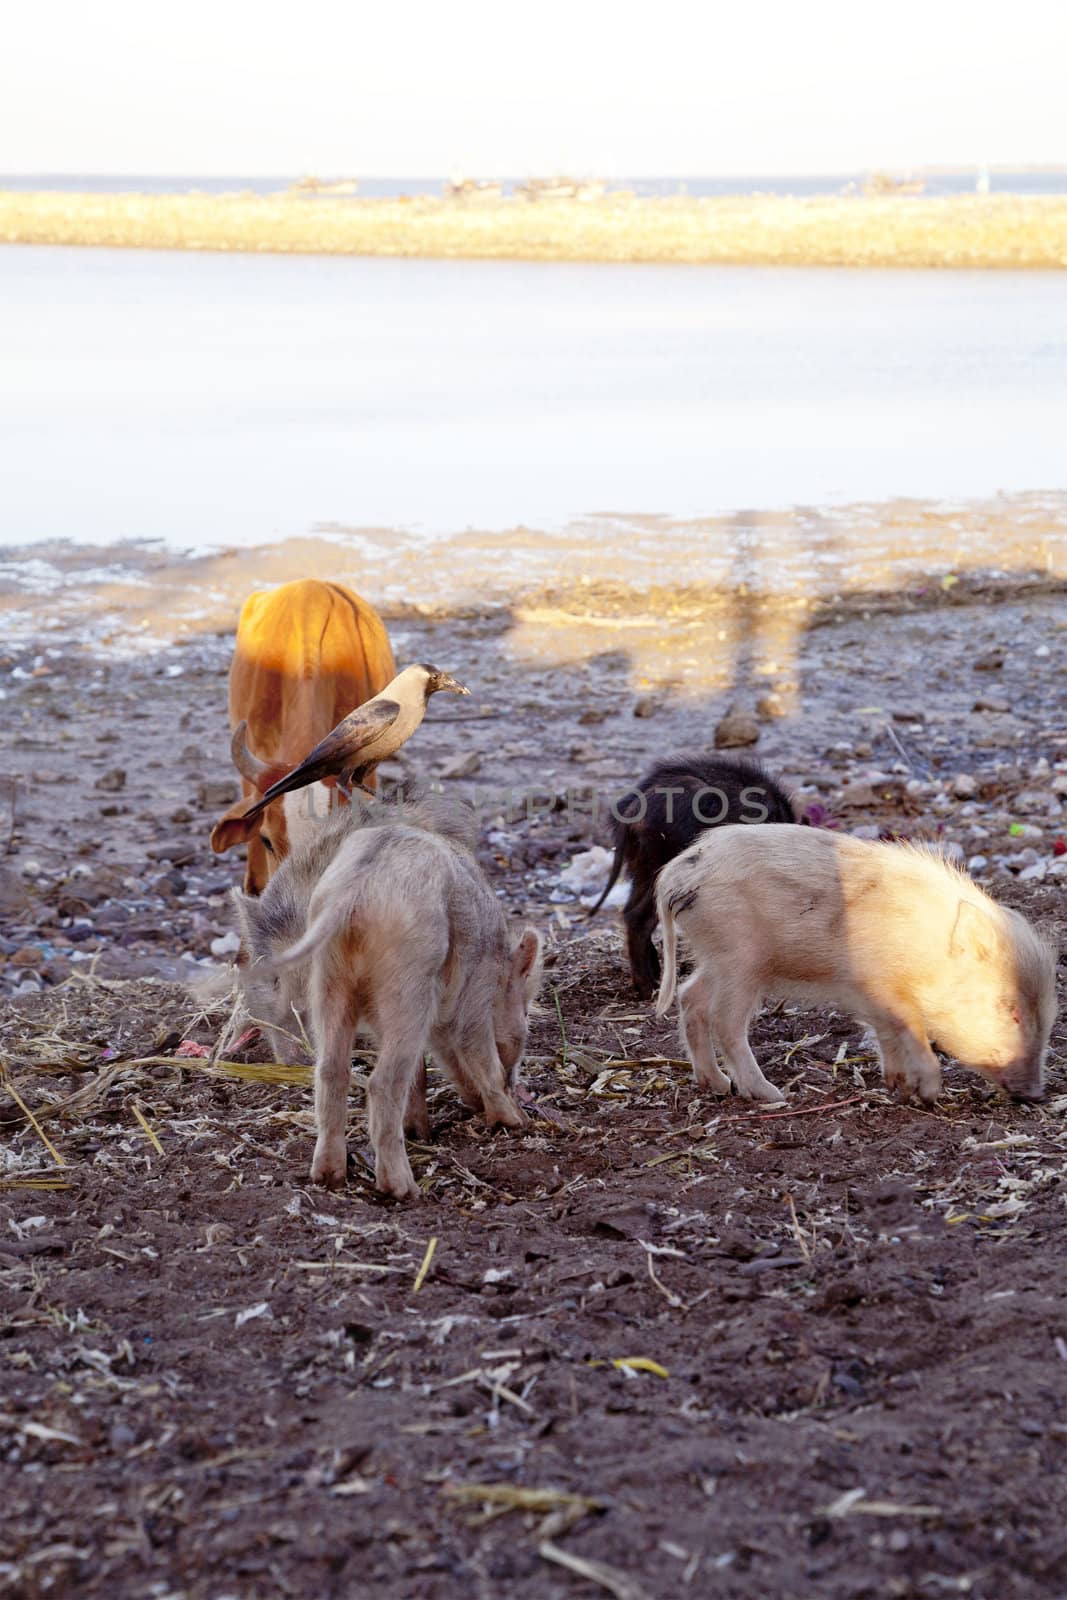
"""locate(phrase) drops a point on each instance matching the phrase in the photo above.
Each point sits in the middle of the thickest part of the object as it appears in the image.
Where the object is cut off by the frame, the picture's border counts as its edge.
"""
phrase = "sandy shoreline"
(684, 594)
(959, 231)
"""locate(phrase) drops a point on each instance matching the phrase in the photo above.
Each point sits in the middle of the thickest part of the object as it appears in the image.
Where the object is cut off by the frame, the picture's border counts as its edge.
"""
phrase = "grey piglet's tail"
(330, 920)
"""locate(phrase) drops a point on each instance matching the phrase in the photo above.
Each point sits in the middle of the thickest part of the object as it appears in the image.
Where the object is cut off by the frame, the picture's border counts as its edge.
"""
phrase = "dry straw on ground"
(960, 231)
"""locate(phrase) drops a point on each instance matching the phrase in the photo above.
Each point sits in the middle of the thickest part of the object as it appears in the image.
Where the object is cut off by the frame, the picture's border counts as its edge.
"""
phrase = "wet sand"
(961, 231)
(686, 599)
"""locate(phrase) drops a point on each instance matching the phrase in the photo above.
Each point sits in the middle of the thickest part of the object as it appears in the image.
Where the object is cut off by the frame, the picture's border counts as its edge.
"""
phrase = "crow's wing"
(339, 752)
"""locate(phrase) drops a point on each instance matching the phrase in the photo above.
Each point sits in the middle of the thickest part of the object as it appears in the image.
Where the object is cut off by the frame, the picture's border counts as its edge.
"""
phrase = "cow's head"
(272, 832)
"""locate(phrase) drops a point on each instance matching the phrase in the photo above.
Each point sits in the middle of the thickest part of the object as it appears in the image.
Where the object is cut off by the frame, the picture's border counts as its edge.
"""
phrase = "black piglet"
(661, 816)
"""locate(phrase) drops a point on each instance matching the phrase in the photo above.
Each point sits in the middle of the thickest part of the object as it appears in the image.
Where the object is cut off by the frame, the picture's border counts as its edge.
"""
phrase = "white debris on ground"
(584, 877)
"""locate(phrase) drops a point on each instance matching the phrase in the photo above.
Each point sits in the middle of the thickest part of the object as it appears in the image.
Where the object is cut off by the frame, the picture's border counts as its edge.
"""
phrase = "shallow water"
(213, 400)
(1020, 180)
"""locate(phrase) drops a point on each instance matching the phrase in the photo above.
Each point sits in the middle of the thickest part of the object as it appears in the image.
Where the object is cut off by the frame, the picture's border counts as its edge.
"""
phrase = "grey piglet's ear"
(526, 960)
(245, 906)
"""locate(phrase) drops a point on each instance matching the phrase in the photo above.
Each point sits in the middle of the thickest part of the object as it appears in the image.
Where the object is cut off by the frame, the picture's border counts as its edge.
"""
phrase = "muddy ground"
(845, 1318)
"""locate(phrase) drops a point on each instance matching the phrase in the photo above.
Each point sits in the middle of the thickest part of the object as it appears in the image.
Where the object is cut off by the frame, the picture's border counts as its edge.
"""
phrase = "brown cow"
(307, 654)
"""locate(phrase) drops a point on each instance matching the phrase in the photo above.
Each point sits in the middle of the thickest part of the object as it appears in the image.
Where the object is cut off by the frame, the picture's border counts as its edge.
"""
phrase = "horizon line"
(489, 174)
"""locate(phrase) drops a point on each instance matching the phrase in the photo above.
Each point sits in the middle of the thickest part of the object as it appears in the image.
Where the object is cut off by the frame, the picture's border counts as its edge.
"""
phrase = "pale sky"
(608, 87)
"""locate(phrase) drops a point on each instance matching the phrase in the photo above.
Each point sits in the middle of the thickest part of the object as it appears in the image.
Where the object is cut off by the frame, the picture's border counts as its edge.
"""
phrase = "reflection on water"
(210, 400)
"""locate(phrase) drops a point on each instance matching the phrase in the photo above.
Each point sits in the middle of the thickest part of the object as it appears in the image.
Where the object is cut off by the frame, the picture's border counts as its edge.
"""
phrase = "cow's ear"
(234, 827)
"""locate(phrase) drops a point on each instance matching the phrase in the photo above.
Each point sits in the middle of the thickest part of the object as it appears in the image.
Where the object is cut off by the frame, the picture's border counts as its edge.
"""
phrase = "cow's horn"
(248, 765)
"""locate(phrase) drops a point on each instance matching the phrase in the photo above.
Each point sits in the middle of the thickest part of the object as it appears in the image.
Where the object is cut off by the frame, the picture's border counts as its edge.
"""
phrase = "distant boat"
(460, 188)
(562, 189)
(883, 183)
(319, 186)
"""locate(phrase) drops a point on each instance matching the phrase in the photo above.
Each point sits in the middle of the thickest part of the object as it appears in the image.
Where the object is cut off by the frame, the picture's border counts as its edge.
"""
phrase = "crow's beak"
(445, 680)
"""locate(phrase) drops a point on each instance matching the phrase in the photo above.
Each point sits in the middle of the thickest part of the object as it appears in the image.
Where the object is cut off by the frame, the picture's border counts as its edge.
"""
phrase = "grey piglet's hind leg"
(417, 1116)
(401, 1055)
(334, 1026)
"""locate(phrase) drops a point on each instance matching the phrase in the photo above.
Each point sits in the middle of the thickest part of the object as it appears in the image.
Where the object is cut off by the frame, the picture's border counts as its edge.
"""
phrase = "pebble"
(646, 706)
(1043, 800)
(172, 885)
(770, 706)
(112, 780)
(464, 766)
(216, 794)
(736, 730)
(987, 702)
(977, 865)
(964, 787)
(998, 738)
(857, 797)
(179, 852)
(989, 661)
(13, 894)
(227, 944)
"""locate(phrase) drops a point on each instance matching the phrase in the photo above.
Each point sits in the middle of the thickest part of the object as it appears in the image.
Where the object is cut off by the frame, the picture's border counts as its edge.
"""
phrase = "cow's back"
(306, 655)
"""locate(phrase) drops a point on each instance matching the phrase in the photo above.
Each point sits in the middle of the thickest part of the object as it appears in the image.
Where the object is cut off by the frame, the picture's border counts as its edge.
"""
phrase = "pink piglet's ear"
(974, 933)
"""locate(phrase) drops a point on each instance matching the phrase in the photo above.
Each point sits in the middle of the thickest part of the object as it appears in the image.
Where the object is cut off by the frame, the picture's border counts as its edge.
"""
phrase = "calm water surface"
(207, 400)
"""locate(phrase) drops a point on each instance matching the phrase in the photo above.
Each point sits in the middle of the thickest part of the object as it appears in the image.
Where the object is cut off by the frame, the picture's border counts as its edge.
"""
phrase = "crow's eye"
(267, 844)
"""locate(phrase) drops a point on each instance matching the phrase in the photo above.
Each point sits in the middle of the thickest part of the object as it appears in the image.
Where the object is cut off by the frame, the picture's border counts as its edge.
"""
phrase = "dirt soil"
(657, 1344)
